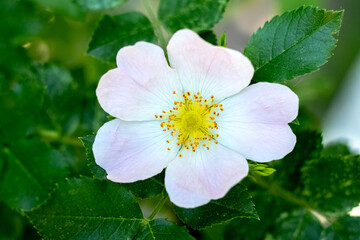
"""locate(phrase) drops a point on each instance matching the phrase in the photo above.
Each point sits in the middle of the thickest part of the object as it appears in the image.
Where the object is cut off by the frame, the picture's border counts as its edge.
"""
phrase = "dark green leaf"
(29, 173)
(268, 207)
(88, 209)
(198, 15)
(293, 44)
(332, 183)
(335, 149)
(99, 4)
(209, 36)
(308, 146)
(147, 188)
(95, 169)
(236, 204)
(12, 224)
(143, 189)
(300, 225)
(118, 31)
(344, 228)
(161, 229)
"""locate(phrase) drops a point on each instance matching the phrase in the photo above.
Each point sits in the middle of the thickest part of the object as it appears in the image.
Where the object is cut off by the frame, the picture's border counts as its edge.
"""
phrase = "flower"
(197, 118)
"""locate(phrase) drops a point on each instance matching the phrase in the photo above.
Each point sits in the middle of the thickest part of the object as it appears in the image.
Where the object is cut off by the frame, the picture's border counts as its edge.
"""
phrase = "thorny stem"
(158, 208)
(155, 22)
(53, 136)
(289, 197)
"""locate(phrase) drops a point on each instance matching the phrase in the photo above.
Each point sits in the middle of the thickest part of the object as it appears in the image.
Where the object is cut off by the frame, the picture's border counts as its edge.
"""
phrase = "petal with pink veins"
(208, 69)
(131, 151)
(141, 86)
(254, 122)
(196, 178)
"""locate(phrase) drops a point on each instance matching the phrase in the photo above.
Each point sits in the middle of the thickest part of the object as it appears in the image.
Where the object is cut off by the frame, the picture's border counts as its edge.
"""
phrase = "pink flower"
(198, 118)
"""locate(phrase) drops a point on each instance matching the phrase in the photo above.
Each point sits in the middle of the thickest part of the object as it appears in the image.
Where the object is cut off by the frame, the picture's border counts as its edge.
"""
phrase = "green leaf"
(331, 183)
(95, 169)
(98, 4)
(308, 146)
(261, 169)
(88, 209)
(147, 188)
(236, 204)
(293, 44)
(29, 173)
(115, 32)
(344, 228)
(268, 207)
(161, 229)
(12, 224)
(143, 189)
(222, 40)
(198, 15)
(300, 225)
(209, 36)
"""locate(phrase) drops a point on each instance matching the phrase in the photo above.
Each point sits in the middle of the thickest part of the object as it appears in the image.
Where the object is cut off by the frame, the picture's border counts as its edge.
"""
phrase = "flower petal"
(131, 151)
(141, 86)
(255, 122)
(208, 69)
(196, 178)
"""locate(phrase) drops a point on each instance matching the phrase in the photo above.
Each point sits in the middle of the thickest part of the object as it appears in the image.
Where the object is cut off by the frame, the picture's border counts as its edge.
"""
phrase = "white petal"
(208, 69)
(131, 151)
(255, 122)
(196, 178)
(141, 86)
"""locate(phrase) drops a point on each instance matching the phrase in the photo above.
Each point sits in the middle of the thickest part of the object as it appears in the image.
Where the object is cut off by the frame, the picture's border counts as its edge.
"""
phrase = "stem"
(54, 136)
(290, 197)
(157, 208)
(155, 22)
(281, 193)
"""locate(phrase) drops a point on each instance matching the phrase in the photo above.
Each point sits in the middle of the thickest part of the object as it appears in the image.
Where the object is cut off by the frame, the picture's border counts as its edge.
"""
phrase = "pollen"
(191, 122)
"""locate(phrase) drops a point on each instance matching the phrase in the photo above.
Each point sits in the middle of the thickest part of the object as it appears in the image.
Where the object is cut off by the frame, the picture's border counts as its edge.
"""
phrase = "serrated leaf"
(30, 173)
(88, 209)
(98, 4)
(236, 204)
(115, 32)
(144, 189)
(147, 188)
(308, 146)
(95, 169)
(198, 15)
(161, 229)
(331, 183)
(299, 224)
(293, 44)
(209, 36)
(344, 228)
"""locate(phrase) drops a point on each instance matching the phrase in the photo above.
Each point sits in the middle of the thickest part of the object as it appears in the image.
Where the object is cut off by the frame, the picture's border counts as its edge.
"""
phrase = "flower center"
(191, 122)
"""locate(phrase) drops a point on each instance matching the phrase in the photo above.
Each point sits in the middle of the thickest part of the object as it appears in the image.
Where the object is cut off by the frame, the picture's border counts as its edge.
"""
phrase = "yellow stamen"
(191, 121)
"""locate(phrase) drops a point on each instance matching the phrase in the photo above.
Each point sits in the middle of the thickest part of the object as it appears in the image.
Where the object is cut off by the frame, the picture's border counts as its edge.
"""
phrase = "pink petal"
(208, 69)
(255, 122)
(141, 86)
(196, 178)
(131, 151)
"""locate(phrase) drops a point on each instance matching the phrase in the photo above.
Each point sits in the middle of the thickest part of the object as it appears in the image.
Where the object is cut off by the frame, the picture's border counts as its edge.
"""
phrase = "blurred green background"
(48, 81)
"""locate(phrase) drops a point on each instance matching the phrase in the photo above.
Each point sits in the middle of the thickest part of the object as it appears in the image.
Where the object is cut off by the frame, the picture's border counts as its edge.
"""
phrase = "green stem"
(281, 193)
(54, 136)
(277, 191)
(157, 208)
(156, 23)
